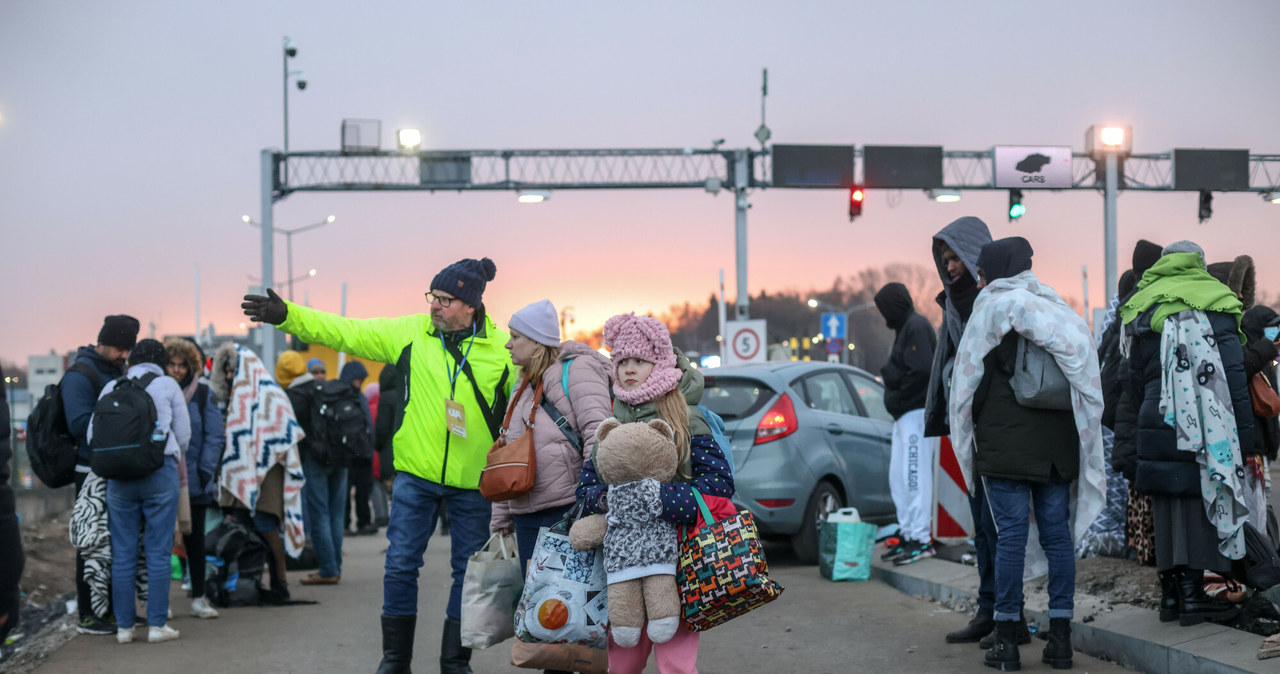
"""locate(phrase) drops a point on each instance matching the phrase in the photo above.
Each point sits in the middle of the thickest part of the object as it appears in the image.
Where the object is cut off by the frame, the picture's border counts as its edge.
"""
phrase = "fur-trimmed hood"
(1239, 276)
(219, 382)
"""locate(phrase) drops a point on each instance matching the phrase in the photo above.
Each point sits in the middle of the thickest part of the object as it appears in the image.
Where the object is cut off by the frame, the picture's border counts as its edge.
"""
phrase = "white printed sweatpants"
(911, 476)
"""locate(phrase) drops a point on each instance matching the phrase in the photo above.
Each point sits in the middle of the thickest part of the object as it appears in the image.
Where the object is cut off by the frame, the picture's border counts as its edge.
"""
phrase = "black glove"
(270, 309)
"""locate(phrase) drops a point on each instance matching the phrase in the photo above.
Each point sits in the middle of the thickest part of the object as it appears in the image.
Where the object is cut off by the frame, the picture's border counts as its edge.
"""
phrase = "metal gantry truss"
(710, 169)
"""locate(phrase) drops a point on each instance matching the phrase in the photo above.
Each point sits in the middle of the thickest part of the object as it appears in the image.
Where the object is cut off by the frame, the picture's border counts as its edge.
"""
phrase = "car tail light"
(775, 502)
(778, 422)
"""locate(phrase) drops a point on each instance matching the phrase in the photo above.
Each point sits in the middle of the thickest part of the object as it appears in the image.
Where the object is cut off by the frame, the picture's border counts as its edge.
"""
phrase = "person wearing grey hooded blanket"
(955, 253)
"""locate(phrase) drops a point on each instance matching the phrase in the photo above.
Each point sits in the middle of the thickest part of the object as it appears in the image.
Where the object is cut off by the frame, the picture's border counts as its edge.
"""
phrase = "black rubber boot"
(1169, 596)
(1024, 634)
(1057, 654)
(1004, 655)
(981, 625)
(1195, 607)
(454, 659)
(397, 643)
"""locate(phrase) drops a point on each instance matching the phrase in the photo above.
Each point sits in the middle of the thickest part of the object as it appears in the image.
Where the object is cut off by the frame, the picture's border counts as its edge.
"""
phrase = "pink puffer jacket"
(559, 464)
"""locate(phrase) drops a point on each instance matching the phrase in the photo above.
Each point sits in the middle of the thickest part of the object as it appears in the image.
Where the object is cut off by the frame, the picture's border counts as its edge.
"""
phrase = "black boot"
(1195, 607)
(454, 659)
(1023, 634)
(981, 625)
(1004, 655)
(397, 643)
(1169, 596)
(1057, 653)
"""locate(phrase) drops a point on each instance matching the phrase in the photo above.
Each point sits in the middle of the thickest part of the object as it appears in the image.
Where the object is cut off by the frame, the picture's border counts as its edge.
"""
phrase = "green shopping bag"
(845, 546)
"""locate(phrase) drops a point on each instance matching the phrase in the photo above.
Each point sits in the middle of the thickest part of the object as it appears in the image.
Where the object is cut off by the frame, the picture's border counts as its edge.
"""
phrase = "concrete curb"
(1126, 635)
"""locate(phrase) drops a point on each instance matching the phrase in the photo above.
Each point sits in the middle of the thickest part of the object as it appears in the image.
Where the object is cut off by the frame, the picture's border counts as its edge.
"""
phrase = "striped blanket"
(261, 432)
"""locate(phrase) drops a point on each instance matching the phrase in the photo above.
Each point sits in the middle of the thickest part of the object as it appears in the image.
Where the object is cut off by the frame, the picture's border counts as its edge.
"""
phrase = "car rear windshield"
(735, 398)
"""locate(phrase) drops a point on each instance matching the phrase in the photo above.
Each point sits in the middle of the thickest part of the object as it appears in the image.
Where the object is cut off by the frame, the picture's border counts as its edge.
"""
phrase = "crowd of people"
(1163, 418)
(1161, 401)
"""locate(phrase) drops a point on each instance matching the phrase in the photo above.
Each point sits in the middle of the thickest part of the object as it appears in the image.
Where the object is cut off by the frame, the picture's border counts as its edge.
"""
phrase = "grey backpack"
(1037, 380)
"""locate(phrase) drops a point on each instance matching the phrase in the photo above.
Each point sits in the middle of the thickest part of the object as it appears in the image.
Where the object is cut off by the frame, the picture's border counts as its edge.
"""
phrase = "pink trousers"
(678, 656)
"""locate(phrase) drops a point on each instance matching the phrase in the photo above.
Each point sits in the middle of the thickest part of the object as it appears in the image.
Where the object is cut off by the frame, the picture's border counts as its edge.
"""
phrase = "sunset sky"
(130, 135)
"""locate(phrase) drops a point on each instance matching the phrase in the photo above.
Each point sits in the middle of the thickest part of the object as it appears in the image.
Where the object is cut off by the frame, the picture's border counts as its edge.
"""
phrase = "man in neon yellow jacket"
(458, 381)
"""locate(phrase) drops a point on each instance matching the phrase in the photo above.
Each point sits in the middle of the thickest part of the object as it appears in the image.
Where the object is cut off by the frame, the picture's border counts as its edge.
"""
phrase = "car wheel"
(824, 501)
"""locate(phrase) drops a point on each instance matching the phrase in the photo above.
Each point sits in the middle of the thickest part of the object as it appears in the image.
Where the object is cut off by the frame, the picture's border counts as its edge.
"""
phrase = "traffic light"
(856, 194)
(1206, 205)
(1016, 209)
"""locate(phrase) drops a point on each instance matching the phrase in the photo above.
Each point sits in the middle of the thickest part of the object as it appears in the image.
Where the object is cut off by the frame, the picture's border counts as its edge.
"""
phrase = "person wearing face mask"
(653, 380)
(1028, 457)
(204, 451)
(1261, 327)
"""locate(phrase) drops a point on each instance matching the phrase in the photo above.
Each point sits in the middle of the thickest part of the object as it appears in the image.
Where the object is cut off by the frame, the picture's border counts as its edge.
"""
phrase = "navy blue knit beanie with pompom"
(465, 279)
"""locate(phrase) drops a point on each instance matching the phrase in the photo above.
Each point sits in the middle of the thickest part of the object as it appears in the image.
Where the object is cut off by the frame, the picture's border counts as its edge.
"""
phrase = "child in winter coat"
(654, 380)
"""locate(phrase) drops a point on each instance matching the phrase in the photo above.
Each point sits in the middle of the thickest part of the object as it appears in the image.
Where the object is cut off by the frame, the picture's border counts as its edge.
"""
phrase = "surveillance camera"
(290, 49)
(302, 83)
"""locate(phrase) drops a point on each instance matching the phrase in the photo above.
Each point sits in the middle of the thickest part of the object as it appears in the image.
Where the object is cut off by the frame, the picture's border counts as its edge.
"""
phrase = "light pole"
(848, 325)
(288, 244)
(290, 50)
(1109, 144)
(10, 382)
(566, 314)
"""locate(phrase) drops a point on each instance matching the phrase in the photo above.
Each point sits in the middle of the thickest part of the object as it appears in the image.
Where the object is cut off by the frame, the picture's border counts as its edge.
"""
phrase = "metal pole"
(1084, 274)
(342, 356)
(1109, 235)
(740, 230)
(197, 333)
(284, 52)
(721, 318)
(288, 245)
(268, 270)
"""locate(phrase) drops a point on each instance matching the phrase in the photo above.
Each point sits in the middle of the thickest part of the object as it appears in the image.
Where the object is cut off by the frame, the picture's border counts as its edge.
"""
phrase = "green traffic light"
(1016, 211)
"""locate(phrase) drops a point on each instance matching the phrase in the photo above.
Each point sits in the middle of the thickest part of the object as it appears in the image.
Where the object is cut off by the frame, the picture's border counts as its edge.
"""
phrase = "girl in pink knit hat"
(653, 380)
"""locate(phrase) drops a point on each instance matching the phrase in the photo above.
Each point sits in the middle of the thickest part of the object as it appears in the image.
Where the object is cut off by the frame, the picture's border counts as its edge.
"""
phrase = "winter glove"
(270, 309)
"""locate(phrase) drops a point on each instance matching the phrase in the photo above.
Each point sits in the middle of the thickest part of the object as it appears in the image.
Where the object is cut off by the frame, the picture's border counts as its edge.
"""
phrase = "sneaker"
(893, 547)
(95, 625)
(124, 636)
(913, 553)
(200, 608)
(162, 633)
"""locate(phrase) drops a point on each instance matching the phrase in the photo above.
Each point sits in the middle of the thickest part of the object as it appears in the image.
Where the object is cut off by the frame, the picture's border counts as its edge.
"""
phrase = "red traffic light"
(856, 195)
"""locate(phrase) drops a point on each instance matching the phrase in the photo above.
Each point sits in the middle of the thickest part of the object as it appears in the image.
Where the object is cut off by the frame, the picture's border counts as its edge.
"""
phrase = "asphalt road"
(815, 626)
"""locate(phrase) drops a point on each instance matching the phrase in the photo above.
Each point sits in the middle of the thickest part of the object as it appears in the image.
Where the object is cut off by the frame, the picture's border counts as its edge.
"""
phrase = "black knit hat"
(465, 279)
(149, 351)
(119, 331)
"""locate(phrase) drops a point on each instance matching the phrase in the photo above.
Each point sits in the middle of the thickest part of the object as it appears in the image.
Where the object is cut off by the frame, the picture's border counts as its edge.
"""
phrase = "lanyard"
(453, 375)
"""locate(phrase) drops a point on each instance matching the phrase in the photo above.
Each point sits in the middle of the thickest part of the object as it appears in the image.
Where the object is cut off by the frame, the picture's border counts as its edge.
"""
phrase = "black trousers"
(194, 544)
(360, 476)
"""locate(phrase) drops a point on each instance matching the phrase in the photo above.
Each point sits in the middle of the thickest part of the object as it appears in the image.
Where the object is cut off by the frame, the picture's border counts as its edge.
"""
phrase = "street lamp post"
(1109, 144)
(288, 243)
(566, 314)
(290, 50)
(848, 324)
(10, 382)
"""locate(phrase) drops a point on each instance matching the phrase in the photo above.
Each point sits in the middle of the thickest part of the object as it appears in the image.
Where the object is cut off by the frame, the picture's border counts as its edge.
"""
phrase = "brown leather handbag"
(1266, 403)
(511, 467)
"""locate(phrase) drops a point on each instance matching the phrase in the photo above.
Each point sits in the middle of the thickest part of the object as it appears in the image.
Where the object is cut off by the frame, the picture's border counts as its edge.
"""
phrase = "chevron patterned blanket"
(261, 432)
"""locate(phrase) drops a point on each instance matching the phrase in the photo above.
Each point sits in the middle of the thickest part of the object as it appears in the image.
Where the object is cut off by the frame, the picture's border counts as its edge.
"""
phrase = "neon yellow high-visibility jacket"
(423, 444)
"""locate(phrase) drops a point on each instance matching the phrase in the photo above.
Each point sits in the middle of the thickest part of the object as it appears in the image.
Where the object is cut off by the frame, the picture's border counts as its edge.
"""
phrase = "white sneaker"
(200, 608)
(124, 636)
(162, 633)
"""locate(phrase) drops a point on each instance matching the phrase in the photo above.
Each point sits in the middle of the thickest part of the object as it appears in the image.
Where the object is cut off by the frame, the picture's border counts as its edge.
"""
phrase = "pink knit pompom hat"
(646, 338)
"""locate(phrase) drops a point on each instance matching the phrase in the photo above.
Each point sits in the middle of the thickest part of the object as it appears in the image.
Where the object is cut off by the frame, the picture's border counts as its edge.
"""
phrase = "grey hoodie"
(966, 237)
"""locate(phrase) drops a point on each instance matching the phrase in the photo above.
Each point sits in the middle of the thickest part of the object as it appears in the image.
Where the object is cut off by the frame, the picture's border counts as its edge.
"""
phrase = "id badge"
(455, 418)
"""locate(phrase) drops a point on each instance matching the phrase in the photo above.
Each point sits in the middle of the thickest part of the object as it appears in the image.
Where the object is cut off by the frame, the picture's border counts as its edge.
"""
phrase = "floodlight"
(409, 139)
(533, 196)
(944, 196)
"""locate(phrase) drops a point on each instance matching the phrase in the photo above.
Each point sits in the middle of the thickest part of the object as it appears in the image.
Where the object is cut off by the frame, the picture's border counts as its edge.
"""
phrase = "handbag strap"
(562, 423)
(511, 408)
(702, 506)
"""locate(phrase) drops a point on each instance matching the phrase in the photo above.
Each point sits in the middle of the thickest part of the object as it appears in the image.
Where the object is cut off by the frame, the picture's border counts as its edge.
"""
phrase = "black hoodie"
(1259, 356)
(906, 375)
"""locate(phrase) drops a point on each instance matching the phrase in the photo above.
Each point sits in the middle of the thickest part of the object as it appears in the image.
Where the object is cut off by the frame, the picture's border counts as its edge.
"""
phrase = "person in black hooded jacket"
(906, 384)
(1261, 327)
(11, 556)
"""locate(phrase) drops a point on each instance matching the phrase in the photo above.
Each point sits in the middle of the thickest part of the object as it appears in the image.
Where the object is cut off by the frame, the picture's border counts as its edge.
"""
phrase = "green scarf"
(1177, 282)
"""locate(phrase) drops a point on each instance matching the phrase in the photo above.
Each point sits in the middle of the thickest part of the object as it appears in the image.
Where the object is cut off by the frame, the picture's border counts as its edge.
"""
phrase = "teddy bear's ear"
(606, 427)
(664, 428)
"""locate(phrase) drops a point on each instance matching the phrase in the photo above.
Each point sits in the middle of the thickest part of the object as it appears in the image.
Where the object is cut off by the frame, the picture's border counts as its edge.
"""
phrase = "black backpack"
(126, 444)
(339, 428)
(237, 559)
(50, 445)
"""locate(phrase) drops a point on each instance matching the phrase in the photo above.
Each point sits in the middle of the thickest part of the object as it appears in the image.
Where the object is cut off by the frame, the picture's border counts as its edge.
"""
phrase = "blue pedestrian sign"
(834, 326)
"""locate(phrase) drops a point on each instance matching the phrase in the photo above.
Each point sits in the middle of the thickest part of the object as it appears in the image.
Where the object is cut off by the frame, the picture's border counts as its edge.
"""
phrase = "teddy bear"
(640, 547)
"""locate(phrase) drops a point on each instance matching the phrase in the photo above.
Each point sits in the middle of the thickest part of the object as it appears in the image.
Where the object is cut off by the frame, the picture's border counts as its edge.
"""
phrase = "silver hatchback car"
(808, 438)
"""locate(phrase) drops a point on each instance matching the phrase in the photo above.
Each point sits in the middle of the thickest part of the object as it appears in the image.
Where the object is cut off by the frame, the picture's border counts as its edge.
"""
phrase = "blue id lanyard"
(453, 375)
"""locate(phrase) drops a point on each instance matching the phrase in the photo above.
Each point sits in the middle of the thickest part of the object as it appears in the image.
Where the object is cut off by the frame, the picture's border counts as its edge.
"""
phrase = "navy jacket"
(79, 395)
(204, 452)
(1162, 468)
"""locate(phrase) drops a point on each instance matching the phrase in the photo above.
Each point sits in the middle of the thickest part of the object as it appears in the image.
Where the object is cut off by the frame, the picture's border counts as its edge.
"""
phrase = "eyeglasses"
(444, 301)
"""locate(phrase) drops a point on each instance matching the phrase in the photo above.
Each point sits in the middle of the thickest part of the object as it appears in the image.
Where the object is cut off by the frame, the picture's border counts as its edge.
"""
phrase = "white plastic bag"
(490, 590)
(565, 599)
